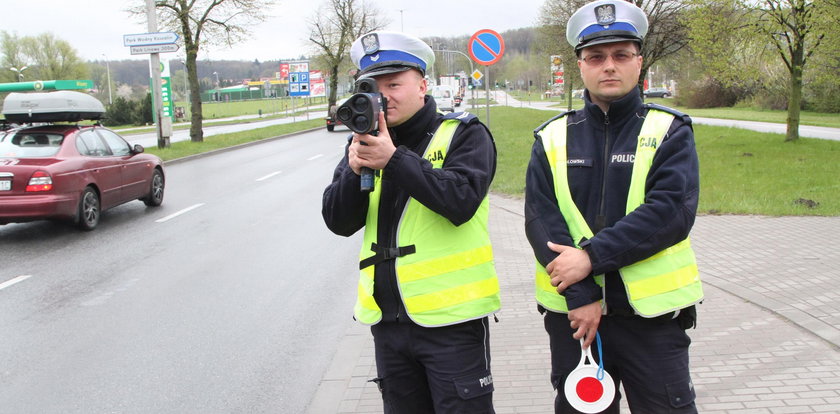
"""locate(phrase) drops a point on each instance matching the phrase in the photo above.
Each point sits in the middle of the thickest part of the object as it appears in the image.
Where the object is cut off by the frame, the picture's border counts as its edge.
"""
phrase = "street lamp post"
(19, 72)
(218, 96)
(471, 69)
(108, 69)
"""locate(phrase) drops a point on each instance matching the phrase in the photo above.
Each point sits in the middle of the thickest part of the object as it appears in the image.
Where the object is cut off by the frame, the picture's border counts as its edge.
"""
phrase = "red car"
(72, 172)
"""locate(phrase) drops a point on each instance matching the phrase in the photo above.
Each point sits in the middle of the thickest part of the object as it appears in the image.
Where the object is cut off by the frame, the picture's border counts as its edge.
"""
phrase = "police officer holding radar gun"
(611, 196)
(427, 281)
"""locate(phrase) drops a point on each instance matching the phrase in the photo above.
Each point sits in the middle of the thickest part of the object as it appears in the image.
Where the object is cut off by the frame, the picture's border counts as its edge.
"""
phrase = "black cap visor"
(388, 67)
(608, 36)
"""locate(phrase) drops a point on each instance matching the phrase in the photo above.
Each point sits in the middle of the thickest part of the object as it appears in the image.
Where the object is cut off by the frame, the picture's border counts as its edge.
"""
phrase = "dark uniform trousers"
(434, 370)
(648, 356)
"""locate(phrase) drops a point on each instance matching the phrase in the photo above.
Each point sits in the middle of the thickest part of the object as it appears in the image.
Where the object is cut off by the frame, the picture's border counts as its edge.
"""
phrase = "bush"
(144, 111)
(822, 97)
(126, 112)
(120, 112)
(708, 93)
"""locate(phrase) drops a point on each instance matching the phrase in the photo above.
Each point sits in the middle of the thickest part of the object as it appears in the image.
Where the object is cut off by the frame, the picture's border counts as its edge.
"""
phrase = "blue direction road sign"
(164, 48)
(486, 47)
(148, 39)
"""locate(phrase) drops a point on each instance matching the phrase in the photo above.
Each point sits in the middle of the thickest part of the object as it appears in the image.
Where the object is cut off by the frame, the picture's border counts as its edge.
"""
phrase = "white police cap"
(606, 21)
(381, 52)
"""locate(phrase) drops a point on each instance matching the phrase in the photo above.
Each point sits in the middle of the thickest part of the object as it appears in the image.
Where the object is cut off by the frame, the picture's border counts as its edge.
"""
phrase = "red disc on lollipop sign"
(584, 391)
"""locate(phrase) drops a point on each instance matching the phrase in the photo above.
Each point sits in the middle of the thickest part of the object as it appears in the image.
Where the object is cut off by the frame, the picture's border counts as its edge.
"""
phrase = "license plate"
(5, 185)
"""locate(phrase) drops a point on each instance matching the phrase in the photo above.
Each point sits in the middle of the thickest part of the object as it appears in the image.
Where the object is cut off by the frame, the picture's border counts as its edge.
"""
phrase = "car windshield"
(30, 145)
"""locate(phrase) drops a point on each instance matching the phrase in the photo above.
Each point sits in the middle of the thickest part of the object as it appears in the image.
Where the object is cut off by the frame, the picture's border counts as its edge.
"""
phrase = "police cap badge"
(606, 21)
(381, 52)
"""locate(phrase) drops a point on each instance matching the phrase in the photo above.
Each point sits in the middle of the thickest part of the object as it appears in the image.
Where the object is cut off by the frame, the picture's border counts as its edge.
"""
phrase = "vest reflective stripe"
(555, 150)
(366, 310)
(653, 131)
(440, 265)
(664, 282)
(451, 277)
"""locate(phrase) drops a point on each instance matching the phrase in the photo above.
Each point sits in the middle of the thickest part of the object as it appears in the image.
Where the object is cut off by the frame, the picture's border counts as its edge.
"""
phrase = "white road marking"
(269, 176)
(315, 157)
(8, 283)
(172, 216)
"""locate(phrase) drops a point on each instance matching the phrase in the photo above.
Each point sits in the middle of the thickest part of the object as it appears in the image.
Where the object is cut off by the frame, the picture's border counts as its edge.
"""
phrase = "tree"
(336, 24)
(790, 27)
(210, 22)
(552, 34)
(822, 81)
(722, 79)
(664, 38)
(10, 46)
(666, 34)
(46, 57)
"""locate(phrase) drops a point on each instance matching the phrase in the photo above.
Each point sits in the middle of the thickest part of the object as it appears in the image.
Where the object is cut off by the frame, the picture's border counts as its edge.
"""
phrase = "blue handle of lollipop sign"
(588, 388)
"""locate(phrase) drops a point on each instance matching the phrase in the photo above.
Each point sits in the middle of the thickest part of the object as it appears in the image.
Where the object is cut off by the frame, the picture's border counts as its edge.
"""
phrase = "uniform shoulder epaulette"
(464, 117)
(671, 111)
(554, 118)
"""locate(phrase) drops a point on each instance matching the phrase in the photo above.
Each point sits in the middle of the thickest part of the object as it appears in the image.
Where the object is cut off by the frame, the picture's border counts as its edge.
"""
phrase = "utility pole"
(108, 69)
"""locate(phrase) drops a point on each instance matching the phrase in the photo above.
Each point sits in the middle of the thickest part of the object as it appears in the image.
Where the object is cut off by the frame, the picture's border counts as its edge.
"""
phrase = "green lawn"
(213, 110)
(741, 171)
(751, 114)
(182, 149)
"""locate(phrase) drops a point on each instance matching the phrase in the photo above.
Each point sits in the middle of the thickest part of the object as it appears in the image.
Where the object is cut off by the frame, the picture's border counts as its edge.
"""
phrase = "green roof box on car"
(58, 106)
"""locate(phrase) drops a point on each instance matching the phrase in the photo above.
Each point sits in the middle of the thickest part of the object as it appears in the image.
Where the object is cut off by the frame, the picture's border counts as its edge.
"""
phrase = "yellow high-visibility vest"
(450, 276)
(662, 283)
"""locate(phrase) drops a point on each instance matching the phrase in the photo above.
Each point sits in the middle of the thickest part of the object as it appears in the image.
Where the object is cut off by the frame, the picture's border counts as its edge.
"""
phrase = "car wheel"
(330, 128)
(155, 197)
(666, 95)
(88, 215)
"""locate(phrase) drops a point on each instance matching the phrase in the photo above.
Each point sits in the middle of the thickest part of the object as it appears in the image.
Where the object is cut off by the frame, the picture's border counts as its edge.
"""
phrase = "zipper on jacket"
(600, 218)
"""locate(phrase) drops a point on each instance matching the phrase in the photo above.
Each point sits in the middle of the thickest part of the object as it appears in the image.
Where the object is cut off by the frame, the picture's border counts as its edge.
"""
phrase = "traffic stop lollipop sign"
(588, 388)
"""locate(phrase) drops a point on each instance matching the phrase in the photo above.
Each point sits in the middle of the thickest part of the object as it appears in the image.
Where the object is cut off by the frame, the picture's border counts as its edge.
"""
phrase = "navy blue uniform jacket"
(454, 191)
(600, 150)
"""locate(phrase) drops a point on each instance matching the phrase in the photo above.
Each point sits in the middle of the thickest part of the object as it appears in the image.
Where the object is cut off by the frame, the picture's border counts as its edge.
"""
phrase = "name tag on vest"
(579, 162)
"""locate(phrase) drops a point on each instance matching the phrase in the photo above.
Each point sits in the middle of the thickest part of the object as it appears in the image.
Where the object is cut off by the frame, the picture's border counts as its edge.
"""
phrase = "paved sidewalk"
(768, 339)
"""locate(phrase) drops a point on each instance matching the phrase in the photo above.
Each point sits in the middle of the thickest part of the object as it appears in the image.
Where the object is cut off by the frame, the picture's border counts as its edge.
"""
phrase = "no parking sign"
(486, 47)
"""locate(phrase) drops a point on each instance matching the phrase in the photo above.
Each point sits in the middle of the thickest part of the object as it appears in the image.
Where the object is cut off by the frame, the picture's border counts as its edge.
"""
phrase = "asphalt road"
(230, 297)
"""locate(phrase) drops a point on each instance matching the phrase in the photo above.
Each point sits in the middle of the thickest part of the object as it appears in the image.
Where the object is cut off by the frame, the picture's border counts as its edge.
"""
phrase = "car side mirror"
(138, 149)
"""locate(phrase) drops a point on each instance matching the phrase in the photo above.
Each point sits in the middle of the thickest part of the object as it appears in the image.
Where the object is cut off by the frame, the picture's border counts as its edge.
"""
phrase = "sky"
(97, 27)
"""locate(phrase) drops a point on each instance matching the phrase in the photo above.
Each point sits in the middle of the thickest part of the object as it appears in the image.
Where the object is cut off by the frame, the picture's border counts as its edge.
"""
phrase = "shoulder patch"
(552, 119)
(671, 111)
(464, 117)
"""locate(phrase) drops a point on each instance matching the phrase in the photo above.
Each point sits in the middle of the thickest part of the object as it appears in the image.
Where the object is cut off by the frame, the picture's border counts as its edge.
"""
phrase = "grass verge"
(186, 148)
(741, 171)
(740, 113)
